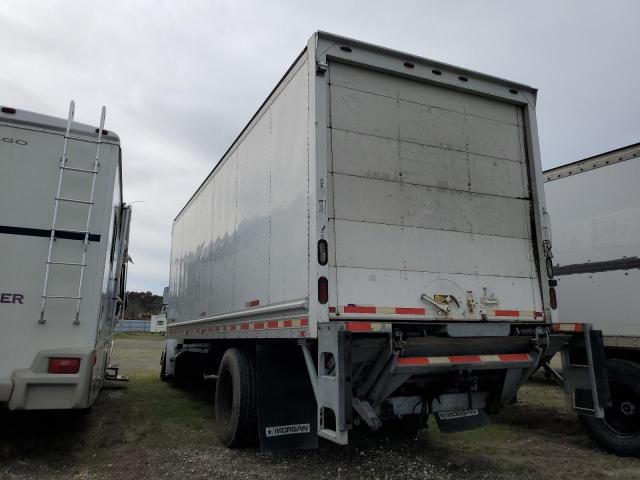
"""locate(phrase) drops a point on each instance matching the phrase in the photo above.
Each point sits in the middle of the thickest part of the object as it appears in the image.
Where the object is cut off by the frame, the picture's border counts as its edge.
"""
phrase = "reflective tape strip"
(423, 312)
(568, 327)
(515, 314)
(294, 323)
(366, 326)
(371, 310)
(464, 359)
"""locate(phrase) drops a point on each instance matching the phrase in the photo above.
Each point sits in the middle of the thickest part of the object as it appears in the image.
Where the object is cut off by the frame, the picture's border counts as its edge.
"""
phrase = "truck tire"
(619, 431)
(235, 401)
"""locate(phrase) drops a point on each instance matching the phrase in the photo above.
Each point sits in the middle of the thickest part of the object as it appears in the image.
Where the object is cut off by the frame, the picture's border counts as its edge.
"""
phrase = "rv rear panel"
(30, 155)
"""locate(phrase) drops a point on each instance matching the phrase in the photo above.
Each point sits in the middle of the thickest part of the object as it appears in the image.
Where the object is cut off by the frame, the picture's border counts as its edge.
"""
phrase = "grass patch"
(161, 415)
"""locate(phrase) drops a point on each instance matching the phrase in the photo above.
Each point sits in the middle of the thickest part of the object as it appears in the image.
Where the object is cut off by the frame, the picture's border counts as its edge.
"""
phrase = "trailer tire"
(619, 431)
(235, 400)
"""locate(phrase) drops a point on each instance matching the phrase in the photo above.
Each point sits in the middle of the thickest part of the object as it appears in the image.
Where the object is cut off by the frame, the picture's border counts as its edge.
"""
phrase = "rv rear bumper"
(35, 388)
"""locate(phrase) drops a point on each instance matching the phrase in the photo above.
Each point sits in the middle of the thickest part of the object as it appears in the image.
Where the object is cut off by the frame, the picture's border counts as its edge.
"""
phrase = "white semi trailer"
(370, 247)
(595, 214)
(63, 258)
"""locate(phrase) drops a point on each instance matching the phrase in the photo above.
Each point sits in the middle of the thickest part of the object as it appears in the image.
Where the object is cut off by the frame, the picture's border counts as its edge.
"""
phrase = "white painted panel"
(420, 92)
(362, 112)
(253, 217)
(429, 185)
(203, 255)
(28, 183)
(366, 155)
(494, 139)
(289, 199)
(595, 217)
(31, 172)
(359, 112)
(605, 299)
(393, 288)
(244, 235)
(386, 159)
(224, 237)
(392, 247)
(395, 203)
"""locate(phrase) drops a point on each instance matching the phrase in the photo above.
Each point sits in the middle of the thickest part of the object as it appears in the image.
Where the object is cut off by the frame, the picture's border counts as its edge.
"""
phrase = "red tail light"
(64, 365)
(323, 290)
(8, 110)
(553, 300)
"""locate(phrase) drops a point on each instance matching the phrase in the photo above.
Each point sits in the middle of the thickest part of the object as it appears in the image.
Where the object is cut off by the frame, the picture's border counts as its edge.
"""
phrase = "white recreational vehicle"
(63, 258)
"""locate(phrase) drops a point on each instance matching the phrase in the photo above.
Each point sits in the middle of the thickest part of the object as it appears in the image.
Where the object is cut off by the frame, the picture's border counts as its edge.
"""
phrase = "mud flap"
(453, 421)
(286, 404)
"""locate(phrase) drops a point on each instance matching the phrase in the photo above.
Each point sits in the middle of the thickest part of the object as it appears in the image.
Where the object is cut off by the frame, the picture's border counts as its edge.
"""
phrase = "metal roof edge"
(27, 118)
(416, 58)
(596, 161)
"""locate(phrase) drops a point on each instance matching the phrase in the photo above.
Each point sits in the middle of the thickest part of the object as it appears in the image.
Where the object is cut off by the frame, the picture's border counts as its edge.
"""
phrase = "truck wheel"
(619, 431)
(235, 402)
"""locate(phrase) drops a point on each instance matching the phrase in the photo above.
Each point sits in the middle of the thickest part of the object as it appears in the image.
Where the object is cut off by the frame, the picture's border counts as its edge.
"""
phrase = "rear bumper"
(35, 389)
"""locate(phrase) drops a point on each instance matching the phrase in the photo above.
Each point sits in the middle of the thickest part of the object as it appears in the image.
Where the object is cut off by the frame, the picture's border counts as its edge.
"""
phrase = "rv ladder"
(82, 264)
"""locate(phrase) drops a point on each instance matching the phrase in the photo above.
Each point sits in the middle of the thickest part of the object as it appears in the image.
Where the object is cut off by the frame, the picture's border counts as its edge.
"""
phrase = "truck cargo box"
(373, 245)
(421, 179)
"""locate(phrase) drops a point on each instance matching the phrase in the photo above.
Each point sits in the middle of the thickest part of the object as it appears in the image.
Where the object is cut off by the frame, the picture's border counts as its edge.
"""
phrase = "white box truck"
(594, 206)
(370, 247)
(63, 258)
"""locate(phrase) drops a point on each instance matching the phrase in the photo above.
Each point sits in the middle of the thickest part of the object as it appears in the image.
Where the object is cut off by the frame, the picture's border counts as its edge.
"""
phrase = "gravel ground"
(152, 430)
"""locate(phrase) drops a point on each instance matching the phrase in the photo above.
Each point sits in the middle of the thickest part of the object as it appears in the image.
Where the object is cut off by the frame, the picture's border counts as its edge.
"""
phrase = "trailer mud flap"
(286, 404)
(453, 421)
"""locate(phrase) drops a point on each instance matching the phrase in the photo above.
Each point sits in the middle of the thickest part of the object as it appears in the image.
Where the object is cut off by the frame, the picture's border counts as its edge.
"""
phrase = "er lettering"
(11, 298)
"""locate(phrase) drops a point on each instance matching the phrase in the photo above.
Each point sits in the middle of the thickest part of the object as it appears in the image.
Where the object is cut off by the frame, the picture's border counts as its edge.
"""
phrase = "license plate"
(453, 414)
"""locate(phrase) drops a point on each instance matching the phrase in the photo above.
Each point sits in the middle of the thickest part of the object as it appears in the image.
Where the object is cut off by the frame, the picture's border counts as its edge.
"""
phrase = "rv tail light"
(553, 300)
(8, 110)
(64, 365)
(323, 290)
(323, 254)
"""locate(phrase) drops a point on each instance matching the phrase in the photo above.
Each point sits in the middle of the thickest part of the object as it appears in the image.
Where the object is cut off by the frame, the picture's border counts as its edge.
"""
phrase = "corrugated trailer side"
(241, 244)
(411, 271)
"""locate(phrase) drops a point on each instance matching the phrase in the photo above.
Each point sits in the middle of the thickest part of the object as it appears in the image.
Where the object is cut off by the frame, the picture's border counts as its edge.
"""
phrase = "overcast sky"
(181, 78)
